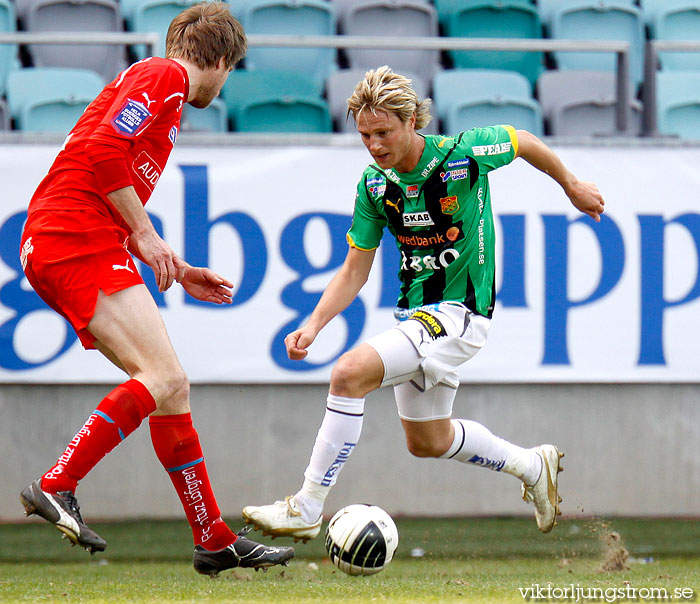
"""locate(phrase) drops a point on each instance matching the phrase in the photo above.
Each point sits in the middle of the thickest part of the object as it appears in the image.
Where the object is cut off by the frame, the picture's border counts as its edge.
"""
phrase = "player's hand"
(297, 342)
(154, 251)
(204, 284)
(586, 198)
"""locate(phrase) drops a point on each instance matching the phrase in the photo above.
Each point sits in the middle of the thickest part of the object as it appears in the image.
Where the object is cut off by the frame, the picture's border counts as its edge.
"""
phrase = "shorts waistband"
(401, 314)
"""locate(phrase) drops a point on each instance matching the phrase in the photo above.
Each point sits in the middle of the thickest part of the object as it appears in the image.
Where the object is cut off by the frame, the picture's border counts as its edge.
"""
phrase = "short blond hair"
(205, 33)
(383, 90)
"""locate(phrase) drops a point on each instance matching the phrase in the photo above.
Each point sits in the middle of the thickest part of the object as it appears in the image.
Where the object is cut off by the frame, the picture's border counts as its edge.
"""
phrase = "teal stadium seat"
(674, 20)
(599, 20)
(8, 52)
(495, 19)
(151, 16)
(468, 98)
(547, 8)
(678, 103)
(290, 17)
(211, 119)
(275, 101)
(50, 99)
(404, 19)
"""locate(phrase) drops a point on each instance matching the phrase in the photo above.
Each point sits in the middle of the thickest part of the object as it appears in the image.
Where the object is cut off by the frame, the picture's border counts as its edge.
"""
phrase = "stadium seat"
(213, 118)
(496, 19)
(340, 86)
(678, 103)
(547, 8)
(599, 20)
(465, 98)
(275, 101)
(76, 16)
(583, 103)
(404, 19)
(152, 16)
(50, 99)
(5, 123)
(674, 20)
(290, 17)
(8, 52)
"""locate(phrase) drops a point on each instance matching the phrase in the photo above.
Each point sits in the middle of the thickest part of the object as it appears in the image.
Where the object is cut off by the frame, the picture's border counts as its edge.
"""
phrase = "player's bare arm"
(584, 196)
(145, 241)
(341, 291)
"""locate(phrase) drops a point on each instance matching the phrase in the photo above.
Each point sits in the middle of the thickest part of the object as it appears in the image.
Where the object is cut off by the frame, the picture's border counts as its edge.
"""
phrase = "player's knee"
(346, 377)
(174, 390)
(422, 447)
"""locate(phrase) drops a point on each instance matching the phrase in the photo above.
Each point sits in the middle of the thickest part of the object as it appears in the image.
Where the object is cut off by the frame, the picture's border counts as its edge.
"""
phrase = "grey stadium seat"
(581, 103)
(76, 16)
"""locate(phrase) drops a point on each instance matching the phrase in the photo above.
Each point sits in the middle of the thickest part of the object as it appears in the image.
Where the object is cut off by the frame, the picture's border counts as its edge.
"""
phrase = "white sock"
(475, 444)
(337, 437)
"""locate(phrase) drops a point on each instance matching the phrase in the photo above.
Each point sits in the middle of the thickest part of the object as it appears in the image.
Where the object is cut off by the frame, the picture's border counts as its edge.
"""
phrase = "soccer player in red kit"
(84, 221)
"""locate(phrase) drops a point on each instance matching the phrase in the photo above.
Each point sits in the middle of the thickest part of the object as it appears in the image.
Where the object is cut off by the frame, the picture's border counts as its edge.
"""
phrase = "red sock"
(117, 416)
(177, 446)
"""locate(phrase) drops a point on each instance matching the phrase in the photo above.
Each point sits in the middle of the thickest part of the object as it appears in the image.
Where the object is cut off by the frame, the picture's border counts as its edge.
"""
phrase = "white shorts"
(442, 336)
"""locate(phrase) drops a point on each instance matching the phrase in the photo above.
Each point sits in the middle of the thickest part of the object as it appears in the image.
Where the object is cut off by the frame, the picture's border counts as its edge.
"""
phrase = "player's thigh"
(129, 324)
(399, 357)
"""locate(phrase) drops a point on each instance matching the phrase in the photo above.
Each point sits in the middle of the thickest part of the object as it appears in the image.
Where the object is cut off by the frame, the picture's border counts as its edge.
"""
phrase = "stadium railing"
(620, 48)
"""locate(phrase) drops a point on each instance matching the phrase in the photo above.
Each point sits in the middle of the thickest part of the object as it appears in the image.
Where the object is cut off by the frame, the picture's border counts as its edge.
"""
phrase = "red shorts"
(69, 256)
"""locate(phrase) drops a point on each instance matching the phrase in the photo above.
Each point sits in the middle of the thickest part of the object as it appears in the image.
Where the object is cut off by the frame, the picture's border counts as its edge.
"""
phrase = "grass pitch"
(438, 561)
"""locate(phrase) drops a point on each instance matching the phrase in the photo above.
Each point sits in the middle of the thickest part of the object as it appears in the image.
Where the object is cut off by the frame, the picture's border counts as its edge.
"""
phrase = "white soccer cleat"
(281, 519)
(545, 492)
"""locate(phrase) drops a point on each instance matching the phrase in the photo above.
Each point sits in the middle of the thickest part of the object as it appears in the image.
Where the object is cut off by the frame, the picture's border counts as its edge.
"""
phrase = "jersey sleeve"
(367, 223)
(492, 147)
(142, 92)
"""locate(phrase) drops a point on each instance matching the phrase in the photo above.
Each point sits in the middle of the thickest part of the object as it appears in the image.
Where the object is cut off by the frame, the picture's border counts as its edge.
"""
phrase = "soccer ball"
(361, 539)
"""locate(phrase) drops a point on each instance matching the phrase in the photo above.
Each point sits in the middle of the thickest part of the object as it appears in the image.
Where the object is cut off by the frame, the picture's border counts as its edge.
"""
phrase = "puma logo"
(394, 205)
(120, 267)
(148, 101)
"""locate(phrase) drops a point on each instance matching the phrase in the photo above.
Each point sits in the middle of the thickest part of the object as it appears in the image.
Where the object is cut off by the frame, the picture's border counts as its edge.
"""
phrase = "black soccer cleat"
(61, 510)
(242, 553)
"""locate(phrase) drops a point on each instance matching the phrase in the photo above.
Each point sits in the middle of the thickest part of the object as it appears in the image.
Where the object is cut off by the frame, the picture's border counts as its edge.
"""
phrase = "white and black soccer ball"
(361, 539)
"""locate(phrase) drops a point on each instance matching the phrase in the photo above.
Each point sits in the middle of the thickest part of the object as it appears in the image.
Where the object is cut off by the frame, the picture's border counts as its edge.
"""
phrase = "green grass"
(464, 560)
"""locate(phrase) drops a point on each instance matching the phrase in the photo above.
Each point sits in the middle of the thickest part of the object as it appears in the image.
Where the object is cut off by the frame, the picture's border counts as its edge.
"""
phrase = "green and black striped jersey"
(440, 215)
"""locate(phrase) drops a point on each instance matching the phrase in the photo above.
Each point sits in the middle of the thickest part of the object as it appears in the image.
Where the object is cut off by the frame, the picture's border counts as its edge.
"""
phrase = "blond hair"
(204, 33)
(383, 90)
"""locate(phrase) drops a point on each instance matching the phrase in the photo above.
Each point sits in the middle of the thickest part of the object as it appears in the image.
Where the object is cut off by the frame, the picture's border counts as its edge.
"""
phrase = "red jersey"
(124, 138)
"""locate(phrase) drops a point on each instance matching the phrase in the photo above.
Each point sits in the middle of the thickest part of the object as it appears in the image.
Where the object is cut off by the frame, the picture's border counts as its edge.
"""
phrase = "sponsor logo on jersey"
(495, 149)
(412, 191)
(458, 163)
(27, 249)
(417, 219)
(148, 101)
(449, 205)
(172, 135)
(435, 263)
(147, 169)
(431, 323)
(391, 176)
(131, 118)
(417, 241)
(374, 181)
(393, 204)
(377, 191)
(459, 174)
(431, 164)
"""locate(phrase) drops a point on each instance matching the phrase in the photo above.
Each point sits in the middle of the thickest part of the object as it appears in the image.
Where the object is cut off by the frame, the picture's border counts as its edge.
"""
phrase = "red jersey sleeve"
(140, 94)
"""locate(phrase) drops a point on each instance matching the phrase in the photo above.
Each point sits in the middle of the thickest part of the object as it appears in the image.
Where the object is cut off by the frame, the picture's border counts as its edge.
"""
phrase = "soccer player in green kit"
(432, 193)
